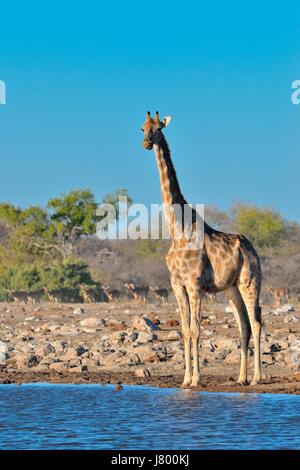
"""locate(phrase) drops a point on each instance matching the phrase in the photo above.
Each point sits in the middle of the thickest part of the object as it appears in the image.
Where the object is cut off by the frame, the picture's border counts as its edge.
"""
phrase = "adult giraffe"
(225, 262)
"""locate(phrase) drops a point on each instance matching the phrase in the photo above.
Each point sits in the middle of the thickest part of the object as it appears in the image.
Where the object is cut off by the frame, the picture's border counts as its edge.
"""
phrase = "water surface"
(45, 416)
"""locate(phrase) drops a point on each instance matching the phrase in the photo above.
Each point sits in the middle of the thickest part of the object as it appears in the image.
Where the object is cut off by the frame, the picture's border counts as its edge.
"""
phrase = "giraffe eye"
(142, 129)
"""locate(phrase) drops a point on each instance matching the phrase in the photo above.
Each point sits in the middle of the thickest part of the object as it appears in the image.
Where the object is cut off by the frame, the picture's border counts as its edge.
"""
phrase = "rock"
(148, 354)
(228, 309)
(117, 338)
(233, 357)
(118, 388)
(172, 335)
(3, 347)
(78, 311)
(90, 364)
(208, 344)
(59, 366)
(223, 342)
(142, 372)
(3, 357)
(29, 360)
(268, 359)
(154, 318)
(41, 368)
(171, 323)
(222, 354)
(74, 363)
(178, 357)
(116, 325)
(144, 338)
(133, 359)
(143, 324)
(70, 354)
(287, 308)
(81, 350)
(91, 322)
(44, 350)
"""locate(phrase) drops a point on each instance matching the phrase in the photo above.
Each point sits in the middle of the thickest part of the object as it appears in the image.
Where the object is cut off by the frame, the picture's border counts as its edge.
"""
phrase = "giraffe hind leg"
(250, 295)
(240, 313)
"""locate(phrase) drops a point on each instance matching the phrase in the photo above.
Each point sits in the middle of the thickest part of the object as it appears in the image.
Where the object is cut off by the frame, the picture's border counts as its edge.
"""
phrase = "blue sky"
(80, 77)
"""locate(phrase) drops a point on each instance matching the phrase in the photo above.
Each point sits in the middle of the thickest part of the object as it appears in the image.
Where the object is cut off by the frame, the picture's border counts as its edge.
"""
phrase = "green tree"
(264, 227)
(75, 211)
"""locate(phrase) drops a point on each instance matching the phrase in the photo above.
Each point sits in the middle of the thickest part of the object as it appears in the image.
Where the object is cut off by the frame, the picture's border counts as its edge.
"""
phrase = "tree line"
(39, 245)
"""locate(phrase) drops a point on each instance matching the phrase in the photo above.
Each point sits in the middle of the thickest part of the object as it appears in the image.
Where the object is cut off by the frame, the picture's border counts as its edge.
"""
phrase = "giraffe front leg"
(184, 309)
(195, 306)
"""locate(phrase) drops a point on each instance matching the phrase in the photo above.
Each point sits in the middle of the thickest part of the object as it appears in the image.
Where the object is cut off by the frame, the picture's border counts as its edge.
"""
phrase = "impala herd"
(131, 291)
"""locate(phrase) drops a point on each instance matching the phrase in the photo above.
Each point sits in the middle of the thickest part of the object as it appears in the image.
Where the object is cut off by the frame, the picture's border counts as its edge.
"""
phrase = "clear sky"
(80, 77)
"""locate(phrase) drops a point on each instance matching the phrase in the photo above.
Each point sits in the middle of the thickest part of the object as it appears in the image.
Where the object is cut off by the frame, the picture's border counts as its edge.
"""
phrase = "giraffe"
(224, 262)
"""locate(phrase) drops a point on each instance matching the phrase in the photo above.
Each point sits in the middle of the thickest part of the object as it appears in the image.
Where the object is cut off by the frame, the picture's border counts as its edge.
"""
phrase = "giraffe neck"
(170, 189)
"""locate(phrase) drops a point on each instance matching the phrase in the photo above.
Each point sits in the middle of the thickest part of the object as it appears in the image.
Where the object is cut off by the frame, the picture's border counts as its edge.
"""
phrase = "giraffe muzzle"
(147, 144)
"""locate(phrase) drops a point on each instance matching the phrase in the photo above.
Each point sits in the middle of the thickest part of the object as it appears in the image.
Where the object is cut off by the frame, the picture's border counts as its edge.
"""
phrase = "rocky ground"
(134, 344)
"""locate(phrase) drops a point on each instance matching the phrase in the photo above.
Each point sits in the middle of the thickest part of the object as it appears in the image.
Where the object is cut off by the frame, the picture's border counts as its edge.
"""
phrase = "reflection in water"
(40, 416)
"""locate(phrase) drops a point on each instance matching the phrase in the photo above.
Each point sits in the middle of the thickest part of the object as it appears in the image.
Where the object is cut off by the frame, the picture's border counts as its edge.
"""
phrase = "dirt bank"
(132, 344)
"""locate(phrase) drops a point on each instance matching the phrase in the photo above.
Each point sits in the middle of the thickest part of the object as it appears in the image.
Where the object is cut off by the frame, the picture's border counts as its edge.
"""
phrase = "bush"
(264, 227)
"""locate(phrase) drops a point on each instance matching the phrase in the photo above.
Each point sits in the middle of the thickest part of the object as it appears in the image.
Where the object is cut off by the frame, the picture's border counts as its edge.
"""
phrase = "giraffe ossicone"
(225, 262)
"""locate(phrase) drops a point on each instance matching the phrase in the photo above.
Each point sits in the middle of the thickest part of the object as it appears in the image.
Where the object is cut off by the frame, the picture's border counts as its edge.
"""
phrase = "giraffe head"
(152, 129)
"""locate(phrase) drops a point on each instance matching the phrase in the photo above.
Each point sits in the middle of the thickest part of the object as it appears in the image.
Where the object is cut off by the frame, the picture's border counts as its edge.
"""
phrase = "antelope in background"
(139, 293)
(17, 297)
(161, 294)
(51, 297)
(87, 294)
(113, 295)
(279, 293)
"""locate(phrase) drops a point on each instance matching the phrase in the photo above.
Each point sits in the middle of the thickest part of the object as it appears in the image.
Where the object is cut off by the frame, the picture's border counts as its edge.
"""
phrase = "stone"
(287, 308)
(90, 364)
(268, 359)
(171, 323)
(142, 372)
(81, 350)
(154, 318)
(233, 357)
(3, 356)
(41, 368)
(70, 354)
(148, 354)
(178, 357)
(74, 363)
(223, 342)
(116, 325)
(3, 347)
(228, 309)
(78, 311)
(171, 335)
(143, 324)
(144, 337)
(75, 370)
(91, 322)
(208, 344)
(117, 338)
(59, 366)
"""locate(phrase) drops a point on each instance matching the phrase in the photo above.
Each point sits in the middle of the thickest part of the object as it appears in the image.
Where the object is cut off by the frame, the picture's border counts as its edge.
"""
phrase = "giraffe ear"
(166, 121)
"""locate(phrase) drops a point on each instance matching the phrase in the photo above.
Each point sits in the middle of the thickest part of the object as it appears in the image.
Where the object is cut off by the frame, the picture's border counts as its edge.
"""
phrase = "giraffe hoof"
(243, 382)
(195, 384)
(185, 384)
(256, 382)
